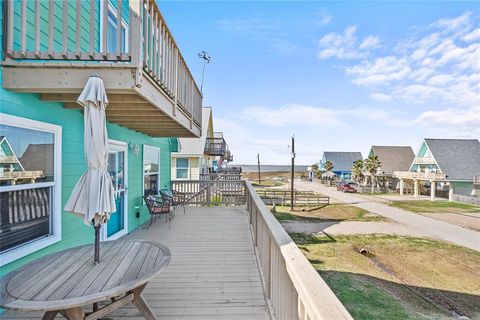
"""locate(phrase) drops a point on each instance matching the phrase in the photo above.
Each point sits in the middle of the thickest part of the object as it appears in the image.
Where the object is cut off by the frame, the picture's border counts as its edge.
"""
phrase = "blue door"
(117, 169)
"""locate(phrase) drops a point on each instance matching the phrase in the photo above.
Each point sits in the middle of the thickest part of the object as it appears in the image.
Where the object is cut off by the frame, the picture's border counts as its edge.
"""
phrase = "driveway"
(429, 226)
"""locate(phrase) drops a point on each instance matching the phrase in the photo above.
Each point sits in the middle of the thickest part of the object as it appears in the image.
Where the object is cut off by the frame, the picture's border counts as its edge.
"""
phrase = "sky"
(340, 76)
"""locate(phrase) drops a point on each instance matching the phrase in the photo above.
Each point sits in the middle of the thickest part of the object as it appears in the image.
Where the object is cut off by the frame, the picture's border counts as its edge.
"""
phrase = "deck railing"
(419, 175)
(220, 176)
(293, 288)
(211, 192)
(423, 160)
(149, 47)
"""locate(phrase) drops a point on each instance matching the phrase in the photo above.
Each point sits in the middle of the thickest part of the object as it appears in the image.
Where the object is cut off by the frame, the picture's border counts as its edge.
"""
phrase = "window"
(30, 155)
(151, 170)
(112, 30)
(182, 168)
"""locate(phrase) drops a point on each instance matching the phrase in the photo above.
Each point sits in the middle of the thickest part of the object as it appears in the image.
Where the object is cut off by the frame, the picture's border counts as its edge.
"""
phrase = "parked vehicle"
(347, 187)
(340, 185)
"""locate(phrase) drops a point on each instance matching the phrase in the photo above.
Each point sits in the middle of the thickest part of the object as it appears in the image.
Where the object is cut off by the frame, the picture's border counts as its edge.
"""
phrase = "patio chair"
(176, 198)
(158, 206)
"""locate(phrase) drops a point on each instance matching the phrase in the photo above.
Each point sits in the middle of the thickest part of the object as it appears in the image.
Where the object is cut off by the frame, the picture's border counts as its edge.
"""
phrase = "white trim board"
(35, 245)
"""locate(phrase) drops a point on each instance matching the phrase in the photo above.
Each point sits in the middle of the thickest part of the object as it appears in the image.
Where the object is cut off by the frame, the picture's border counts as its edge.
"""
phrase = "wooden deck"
(213, 273)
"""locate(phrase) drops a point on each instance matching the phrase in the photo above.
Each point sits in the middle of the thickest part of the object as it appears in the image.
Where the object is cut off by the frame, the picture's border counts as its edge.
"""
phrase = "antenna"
(206, 59)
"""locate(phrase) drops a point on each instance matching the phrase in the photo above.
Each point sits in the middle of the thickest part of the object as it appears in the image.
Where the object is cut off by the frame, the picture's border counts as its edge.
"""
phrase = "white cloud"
(438, 65)
(308, 116)
(346, 45)
(324, 20)
(291, 115)
(380, 97)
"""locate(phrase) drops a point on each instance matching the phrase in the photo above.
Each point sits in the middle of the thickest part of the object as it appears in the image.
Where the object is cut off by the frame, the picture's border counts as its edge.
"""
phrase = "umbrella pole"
(97, 244)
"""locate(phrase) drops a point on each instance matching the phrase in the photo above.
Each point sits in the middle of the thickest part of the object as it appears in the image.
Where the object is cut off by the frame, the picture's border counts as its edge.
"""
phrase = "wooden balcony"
(424, 160)
(60, 44)
(216, 145)
(231, 262)
(419, 175)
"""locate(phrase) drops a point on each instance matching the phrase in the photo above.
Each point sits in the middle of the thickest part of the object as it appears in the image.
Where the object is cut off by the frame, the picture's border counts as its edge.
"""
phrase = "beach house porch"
(230, 262)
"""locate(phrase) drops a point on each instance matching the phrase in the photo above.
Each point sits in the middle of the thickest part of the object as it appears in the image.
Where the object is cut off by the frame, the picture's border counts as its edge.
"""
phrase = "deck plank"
(213, 272)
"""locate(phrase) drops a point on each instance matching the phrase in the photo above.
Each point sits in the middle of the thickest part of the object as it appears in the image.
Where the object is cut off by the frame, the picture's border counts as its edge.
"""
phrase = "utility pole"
(292, 174)
(206, 59)
(258, 161)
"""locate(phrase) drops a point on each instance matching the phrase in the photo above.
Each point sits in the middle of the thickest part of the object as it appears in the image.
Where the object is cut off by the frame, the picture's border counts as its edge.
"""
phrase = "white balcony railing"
(423, 160)
(419, 175)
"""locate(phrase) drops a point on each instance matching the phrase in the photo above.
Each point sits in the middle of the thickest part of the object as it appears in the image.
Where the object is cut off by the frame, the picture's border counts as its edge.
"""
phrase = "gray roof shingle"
(394, 158)
(342, 161)
(459, 159)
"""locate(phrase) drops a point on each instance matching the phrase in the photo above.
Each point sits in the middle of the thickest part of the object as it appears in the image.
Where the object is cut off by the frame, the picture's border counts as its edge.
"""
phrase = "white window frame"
(113, 10)
(188, 168)
(145, 147)
(117, 145)
(23, 250)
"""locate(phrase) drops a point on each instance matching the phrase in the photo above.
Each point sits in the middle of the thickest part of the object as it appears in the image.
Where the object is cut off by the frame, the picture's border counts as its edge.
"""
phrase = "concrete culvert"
(363, 251)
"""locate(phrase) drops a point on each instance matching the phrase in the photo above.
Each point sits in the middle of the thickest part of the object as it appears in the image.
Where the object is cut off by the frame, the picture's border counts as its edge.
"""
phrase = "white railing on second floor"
(419, 175)
(423, 160)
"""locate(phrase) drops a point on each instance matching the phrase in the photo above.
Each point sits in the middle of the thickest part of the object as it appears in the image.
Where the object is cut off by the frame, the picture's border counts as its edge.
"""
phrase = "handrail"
(293, 288)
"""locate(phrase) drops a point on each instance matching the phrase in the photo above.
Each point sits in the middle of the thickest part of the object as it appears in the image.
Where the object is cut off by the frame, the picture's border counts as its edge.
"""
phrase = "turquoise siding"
(74, 232)
(462, 188)
(58, 24)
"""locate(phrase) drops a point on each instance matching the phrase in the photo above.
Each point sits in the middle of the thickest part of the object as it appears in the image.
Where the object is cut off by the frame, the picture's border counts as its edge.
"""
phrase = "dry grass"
(337, 212)
(425, 277)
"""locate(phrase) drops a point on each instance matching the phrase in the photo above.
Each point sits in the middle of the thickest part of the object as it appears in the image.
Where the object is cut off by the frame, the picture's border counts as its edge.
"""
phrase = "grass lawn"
(435, 206)
(337, 212)
(267, 183)
(399, 278)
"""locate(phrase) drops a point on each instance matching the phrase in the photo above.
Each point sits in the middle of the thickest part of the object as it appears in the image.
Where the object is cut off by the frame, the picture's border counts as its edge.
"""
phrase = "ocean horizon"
(270, 168)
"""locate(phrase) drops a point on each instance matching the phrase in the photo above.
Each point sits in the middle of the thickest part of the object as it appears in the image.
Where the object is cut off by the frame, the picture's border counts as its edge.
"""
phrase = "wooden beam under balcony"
(112, 98)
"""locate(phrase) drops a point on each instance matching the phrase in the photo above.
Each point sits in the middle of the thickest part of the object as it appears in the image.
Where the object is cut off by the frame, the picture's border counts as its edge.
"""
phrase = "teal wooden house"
(49, 49)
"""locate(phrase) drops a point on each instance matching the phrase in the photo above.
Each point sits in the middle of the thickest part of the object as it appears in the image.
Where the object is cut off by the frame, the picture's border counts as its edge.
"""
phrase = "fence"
(466, 199)
(211, 192)
(220, 176)
(293, 288)
(300, 198)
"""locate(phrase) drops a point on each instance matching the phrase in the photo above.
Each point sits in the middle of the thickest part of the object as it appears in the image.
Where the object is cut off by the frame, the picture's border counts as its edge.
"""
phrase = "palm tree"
(371, 165)
(316, 171)
(357, 170)
(328, 165)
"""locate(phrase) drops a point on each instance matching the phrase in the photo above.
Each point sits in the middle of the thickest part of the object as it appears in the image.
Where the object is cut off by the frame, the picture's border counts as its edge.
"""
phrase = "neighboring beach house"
(190, 160)
(449, 164)
(47, 59)
(342, 163)
(392, 158)
(199, 157)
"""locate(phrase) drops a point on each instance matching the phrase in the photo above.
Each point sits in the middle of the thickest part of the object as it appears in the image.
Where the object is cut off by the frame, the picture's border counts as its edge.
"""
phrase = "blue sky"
(341, 76)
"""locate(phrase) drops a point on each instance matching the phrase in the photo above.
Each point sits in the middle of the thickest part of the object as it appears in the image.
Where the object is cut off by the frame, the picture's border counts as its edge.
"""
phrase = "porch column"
(450, 191)
(401, 187)
(415, 188)
(433, 187)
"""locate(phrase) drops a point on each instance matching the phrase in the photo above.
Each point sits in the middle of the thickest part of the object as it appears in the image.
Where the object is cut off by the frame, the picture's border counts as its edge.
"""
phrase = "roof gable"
(459, 159)
(342, 161)
(394, 158)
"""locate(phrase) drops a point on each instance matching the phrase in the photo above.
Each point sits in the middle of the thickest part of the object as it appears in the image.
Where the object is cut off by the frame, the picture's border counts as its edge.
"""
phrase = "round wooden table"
(65, 281)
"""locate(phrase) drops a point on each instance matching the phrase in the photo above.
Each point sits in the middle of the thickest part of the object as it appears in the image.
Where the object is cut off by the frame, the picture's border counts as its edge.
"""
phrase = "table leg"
(141, 304)
(49, 315)
(73, 313)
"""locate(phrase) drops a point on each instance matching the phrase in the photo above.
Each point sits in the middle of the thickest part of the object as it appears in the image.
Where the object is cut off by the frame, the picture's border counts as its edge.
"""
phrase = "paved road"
(435, 228)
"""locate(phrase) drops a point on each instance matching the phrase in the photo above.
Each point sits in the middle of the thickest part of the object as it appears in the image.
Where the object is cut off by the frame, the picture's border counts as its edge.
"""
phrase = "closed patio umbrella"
(92, 198)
